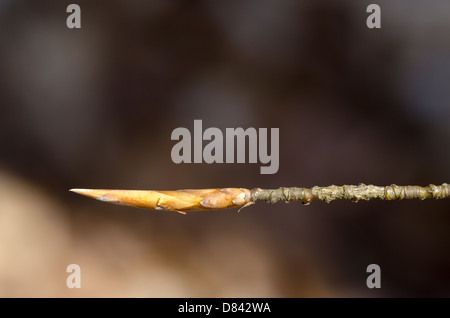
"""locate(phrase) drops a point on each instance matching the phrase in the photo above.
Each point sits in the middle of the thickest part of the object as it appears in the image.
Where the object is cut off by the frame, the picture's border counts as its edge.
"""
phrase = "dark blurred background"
(95, 108)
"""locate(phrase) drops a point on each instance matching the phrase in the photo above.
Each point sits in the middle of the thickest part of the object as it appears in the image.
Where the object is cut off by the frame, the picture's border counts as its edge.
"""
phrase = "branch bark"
(349, 192)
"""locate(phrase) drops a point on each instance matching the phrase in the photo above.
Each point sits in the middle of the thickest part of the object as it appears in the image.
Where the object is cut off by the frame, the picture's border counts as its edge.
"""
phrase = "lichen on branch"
(350, 192)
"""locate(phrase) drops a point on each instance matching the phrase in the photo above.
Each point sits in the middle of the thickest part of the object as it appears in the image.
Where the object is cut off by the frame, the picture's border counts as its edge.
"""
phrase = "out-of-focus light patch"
(57, 81)
(143, 10)
(4, 4)
(34, 236)
(265, 31)
(419, 17)
(215, 99)
(425, 85)
(423, 73)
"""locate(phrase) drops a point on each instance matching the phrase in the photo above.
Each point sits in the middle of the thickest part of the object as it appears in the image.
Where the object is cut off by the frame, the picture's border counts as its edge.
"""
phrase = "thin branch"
(350, 192)
(225, 198)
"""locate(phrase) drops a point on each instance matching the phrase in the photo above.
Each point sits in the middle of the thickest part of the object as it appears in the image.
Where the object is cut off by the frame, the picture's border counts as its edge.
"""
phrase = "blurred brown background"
(95, 107)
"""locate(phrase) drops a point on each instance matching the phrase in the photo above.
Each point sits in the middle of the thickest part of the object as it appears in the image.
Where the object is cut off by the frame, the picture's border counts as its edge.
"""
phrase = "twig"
(351, 192)
(215, 199)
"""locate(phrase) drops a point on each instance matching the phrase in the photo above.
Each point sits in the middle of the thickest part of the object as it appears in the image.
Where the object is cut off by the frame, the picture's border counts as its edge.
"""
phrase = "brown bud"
(179, 200)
